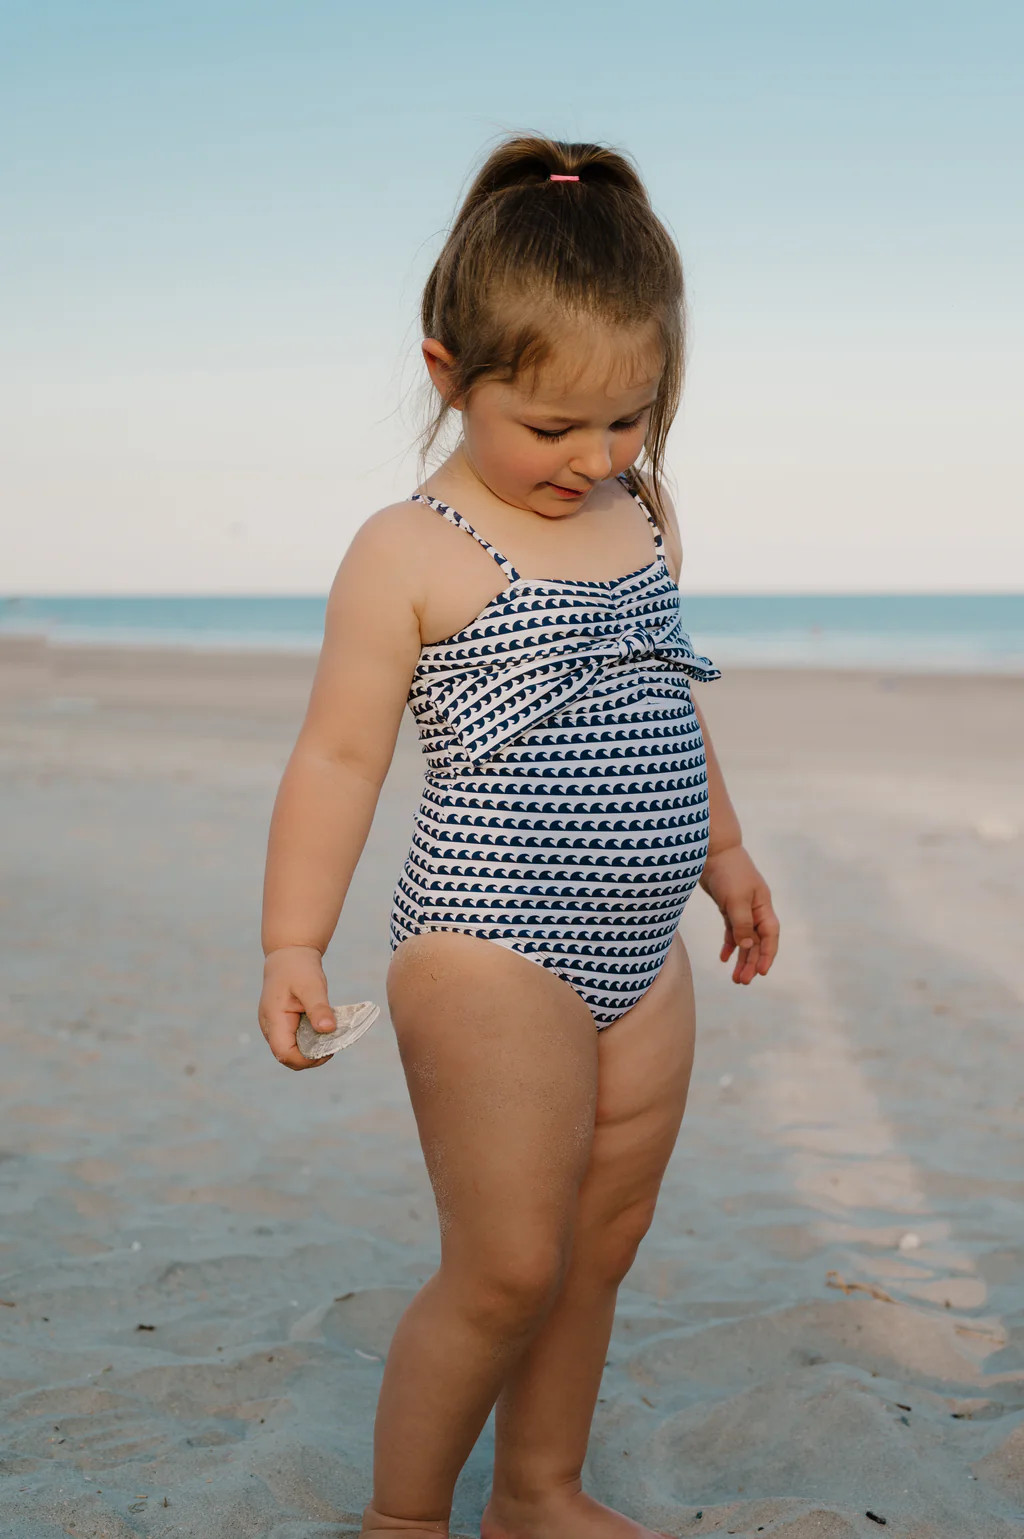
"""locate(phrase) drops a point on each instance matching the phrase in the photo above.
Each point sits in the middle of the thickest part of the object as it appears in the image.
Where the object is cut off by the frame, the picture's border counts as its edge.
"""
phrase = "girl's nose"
(593, 460)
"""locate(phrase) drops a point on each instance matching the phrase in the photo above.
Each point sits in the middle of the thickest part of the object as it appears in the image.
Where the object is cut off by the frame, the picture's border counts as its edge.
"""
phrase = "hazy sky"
(216, 216)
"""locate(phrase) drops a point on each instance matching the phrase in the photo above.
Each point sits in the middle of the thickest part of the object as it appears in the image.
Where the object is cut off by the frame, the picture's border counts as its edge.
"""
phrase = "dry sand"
(203, 1256)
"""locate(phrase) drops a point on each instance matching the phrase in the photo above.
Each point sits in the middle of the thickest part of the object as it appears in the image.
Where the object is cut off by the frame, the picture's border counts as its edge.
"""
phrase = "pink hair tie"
(554, 178)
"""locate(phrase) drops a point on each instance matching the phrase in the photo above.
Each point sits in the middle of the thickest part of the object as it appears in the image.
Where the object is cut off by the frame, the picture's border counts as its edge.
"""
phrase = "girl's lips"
(564, 491)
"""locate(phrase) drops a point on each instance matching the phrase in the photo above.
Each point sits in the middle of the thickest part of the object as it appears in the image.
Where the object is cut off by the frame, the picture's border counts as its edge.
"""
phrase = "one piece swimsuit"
(564, 811)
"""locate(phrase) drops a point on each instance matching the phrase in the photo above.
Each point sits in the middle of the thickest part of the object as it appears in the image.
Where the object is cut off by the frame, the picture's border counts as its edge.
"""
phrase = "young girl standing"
(524, 604)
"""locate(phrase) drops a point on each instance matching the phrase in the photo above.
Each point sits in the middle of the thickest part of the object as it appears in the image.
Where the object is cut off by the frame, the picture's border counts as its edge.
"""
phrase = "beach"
(203, 1256)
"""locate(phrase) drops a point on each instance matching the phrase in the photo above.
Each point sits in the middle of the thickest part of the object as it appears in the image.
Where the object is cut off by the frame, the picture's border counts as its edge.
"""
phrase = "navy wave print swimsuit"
(564, 811)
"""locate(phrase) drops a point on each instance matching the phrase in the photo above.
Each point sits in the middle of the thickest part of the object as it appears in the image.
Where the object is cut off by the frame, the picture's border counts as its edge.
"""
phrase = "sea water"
(933, 632)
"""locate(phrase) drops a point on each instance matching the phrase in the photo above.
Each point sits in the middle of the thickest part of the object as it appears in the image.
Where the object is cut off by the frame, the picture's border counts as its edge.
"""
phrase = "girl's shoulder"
(391, 544)
(411, 526)
(405, 558)
(389, 530)
(413, 538)
(380, 570)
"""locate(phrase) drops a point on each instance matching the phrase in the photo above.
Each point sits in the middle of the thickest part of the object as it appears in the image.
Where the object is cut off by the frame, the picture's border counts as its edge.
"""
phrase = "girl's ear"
(441, 368)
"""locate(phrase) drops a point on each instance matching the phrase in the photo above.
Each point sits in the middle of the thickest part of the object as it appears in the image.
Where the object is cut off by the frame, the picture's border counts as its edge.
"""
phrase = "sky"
(216, 219)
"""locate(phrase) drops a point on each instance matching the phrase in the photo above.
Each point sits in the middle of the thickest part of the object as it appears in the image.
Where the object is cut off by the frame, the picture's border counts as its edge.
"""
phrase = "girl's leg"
(501, 1060)
(546, 1406)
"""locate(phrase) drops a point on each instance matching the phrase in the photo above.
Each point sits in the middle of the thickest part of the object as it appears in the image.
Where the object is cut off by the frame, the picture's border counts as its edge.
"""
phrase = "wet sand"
(202, 1256)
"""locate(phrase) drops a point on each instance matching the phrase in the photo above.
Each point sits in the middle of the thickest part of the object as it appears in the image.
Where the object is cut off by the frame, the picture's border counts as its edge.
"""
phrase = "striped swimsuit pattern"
(564, 811)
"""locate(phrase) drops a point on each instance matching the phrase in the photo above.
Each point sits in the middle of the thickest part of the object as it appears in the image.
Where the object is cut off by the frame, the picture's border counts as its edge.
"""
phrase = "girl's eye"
(555, 437)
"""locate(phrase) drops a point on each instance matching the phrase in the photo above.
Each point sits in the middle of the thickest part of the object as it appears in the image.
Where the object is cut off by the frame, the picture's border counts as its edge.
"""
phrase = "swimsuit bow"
(488, 705)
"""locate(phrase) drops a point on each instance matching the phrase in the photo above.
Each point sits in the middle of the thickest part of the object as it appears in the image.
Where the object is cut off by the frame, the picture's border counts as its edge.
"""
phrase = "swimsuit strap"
(627, 481)
(456, 519)
(459, 522)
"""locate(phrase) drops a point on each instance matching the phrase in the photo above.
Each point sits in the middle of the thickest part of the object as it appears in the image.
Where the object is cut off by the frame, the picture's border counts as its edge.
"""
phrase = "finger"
(769, 933)
(746, 964)
(728, 944)
(314, 1002)
(290, 1056)
(312, 1063)
(740, 918)
(281, 1041)
(767, 923)
(278, 1020)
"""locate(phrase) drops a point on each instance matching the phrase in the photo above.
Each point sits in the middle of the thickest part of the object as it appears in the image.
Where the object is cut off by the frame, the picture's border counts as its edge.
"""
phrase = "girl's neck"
(456, 477)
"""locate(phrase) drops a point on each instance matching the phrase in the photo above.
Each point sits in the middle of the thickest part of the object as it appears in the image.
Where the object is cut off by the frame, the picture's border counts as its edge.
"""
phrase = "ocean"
(934, 632)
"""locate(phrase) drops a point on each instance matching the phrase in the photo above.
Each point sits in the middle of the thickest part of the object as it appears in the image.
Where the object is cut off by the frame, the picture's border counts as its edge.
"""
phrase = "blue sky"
(217, 217)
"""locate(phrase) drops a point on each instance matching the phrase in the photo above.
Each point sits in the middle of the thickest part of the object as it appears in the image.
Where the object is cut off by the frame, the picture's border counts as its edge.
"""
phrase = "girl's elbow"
(359, 756)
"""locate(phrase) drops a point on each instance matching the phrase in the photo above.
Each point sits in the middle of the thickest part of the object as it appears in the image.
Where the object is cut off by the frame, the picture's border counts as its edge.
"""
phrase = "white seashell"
(353, 1021)
(909, 1242)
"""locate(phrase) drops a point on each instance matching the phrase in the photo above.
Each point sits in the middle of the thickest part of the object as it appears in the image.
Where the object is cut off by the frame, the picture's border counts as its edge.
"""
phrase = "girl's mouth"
(564, 491)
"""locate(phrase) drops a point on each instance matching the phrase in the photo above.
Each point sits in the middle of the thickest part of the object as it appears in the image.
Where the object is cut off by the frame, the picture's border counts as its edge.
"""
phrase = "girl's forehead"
(595, 366)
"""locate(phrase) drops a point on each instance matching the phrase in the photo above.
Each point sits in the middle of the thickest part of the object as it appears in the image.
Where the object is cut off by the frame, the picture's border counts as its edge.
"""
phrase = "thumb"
(321, 1016)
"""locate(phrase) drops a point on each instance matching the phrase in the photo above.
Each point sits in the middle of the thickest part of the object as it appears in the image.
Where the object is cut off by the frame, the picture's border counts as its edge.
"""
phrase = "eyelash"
(554, 438)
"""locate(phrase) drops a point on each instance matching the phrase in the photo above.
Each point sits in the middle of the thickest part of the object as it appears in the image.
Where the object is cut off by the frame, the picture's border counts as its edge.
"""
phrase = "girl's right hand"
(293, 982)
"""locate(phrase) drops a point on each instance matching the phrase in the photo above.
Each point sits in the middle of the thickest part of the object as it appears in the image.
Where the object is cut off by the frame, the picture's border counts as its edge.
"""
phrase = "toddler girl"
(524, 604)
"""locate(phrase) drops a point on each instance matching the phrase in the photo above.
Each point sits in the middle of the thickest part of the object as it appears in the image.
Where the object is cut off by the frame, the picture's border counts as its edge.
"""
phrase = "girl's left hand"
(751, 927)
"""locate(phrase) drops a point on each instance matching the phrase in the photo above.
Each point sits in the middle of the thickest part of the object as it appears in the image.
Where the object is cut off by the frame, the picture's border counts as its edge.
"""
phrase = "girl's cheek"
(628, 449)
(536, 461)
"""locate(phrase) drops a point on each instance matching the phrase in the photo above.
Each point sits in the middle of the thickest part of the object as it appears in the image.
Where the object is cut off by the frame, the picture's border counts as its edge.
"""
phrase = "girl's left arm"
(730, 877)
(734, 882)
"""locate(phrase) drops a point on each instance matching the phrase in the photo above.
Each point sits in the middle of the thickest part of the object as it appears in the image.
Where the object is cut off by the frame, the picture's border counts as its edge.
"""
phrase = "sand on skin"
(203, 1257)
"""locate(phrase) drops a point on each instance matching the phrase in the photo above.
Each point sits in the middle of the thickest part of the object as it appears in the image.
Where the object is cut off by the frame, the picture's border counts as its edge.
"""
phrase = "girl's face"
(543, 442)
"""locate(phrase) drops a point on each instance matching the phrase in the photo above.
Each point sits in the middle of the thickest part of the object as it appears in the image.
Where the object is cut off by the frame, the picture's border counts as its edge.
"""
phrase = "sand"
(203, 1256)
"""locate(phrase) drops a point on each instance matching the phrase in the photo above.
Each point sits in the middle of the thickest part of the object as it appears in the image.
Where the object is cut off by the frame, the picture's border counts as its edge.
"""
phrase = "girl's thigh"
(644, 1064)
(501, 1059)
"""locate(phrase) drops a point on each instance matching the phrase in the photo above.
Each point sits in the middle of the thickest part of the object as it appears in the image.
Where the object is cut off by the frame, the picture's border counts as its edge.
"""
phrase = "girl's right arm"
(330, 786)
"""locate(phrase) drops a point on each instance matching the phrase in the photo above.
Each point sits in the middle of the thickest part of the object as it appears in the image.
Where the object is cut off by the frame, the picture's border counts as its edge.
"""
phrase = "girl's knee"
(612, 1250)
(510, 1291)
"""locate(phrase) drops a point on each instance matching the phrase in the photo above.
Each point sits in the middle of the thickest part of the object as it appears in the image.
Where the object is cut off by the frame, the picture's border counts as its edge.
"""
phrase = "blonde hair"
(525, 251)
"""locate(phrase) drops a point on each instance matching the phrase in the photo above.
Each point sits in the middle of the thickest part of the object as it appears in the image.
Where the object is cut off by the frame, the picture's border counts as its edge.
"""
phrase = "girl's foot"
(569, 1515)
